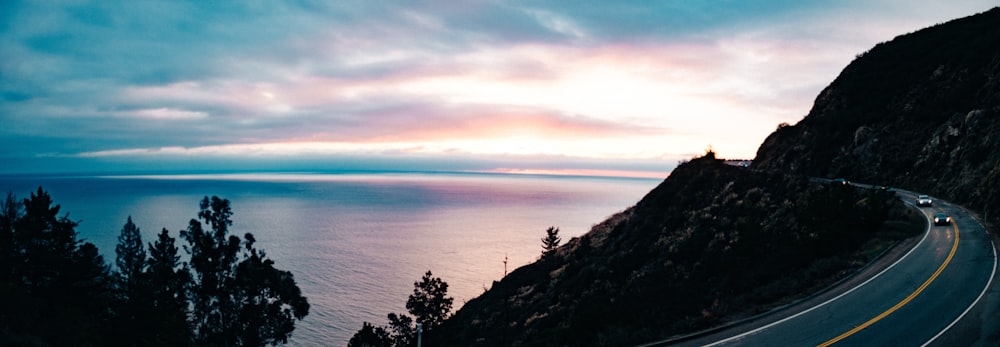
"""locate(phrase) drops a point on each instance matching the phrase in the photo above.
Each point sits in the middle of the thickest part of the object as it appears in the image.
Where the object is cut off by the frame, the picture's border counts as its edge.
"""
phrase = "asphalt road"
(912, 302)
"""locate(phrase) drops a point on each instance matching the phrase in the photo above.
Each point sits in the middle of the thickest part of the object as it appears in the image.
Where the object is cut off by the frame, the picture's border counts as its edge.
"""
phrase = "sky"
(623, 87)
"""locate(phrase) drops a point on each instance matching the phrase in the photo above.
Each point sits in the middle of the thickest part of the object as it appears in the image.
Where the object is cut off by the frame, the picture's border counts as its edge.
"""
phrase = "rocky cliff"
(921, 111)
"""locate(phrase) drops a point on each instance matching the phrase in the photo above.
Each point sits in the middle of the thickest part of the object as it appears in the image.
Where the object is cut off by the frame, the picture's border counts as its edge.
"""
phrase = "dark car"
(924, 201)
(942, 219)
(841, 181)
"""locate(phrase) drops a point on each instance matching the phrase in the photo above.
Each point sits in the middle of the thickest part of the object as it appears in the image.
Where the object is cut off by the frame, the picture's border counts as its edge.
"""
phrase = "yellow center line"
(902, 303)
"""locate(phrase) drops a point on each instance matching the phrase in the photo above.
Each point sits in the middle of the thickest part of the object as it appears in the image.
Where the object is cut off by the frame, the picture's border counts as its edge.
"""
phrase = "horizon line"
(237, 173)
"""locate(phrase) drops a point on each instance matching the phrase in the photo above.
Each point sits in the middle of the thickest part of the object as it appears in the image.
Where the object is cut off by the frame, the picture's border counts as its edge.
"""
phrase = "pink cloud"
(695, 92)
(581, 172)
(493, 121)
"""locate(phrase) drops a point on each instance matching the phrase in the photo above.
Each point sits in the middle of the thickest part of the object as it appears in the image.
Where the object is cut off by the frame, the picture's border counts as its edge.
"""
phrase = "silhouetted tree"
(45, 242)
(57, 285)
(131, 260)
(132, 305)
(429, 302)
(370, 336)
(430, 305)
(404, 333)
(551, 241)
(10, 212)
(167, 279)
(271, 301)
(214, 254)
(57, 291)
(88, 296)
(238, 298)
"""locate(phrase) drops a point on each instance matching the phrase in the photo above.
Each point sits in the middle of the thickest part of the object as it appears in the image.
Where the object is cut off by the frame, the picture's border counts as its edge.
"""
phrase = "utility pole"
(505, 265)
(420, 334)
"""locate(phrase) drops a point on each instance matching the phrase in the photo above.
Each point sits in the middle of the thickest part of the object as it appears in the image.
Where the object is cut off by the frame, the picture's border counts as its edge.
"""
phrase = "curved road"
(910, 303)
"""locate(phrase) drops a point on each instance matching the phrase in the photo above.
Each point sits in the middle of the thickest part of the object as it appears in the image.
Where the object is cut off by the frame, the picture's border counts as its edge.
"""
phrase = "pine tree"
(131, 260)
(57, 283)
(167, 279)
(10, 212)
(45, 243)
(551, 241)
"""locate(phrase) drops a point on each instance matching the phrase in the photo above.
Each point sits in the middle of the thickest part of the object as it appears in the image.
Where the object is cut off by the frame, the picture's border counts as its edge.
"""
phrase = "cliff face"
(921, 111)
(714, 242)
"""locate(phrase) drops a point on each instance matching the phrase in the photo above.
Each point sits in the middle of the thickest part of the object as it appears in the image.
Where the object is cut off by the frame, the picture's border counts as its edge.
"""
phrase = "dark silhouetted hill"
(921, 111)
(711, 243)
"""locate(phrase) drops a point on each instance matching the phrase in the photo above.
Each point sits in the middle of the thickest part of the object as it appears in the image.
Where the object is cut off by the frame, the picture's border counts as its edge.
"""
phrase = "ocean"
(355, 242)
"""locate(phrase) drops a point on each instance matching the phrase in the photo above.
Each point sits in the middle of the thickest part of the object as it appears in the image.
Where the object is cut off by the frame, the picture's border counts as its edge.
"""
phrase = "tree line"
(430, 306)
(57, 290)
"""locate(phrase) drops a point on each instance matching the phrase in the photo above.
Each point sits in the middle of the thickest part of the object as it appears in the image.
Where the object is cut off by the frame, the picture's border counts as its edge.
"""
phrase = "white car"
(924, 200)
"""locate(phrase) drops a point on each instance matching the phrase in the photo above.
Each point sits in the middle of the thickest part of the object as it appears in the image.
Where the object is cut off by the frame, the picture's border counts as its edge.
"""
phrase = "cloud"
(420, 128)
(598, 79)
(164, 113)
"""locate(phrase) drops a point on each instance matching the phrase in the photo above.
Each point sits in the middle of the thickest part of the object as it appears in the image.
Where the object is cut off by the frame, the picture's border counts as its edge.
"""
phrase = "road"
(912, 302)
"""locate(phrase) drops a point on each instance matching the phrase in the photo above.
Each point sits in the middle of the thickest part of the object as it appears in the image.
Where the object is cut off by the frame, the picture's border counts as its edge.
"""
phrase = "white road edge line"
(981, 294)
(751, 332)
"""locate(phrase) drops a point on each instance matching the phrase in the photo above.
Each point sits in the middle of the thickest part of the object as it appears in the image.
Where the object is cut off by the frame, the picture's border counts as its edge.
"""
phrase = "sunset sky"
(515, 86)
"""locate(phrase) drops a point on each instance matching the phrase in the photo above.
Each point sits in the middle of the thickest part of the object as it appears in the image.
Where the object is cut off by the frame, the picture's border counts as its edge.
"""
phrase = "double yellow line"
(902, 303)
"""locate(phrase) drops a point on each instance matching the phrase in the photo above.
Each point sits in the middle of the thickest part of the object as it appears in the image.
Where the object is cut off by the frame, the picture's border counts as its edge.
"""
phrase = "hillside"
(711, 243)
(920, 112)
(715, 242)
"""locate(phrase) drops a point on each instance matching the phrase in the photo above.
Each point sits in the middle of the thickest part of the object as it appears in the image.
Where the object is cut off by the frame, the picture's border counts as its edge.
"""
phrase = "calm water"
(355, 242)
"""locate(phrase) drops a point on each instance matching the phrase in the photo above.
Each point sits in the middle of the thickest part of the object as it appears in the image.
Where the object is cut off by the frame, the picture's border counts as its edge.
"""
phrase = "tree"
(57, 284)
(132, 297)
(167, 279)
(87, 296)
(53, 282)
(404, 333)
(45, 243)
(400, 332)
(237, 296)
(370, 336)
(551, 241)
(429, 303)
(10, 212)
(131, 260)
(213, 259)
(270, 299)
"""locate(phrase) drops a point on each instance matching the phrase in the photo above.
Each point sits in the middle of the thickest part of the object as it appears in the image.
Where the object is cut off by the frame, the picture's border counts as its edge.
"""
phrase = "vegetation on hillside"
(713, 242)
(57, 291)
